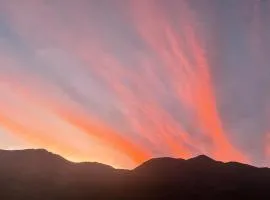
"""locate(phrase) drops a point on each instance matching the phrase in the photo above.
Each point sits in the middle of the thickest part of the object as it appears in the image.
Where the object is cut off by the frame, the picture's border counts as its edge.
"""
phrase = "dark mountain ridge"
(39, 174)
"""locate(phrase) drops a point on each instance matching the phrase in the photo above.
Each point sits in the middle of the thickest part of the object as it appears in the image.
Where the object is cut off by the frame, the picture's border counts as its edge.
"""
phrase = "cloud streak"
(122, 81)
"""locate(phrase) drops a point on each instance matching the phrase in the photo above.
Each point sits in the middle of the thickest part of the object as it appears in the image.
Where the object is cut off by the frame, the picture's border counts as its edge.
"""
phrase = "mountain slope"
(38, 174)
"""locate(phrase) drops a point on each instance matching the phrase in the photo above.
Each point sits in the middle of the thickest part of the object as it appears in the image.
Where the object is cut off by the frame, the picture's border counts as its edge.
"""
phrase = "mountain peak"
(40, 157)
(160, 164)
(43, 151)
(202, 158)
(27, 157)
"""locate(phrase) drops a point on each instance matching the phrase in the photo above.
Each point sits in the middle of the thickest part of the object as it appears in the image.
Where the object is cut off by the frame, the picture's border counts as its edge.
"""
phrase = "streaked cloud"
(122, 81)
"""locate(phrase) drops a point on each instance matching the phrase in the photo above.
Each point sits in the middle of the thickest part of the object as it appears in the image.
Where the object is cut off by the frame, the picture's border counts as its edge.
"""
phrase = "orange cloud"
(187, 67)
(173, 47)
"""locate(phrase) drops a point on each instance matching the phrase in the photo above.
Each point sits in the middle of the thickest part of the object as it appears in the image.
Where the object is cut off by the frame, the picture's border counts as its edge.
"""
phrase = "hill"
(41, 175)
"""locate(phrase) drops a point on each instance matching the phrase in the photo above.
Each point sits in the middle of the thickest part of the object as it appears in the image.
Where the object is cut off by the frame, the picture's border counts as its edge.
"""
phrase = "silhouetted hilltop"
(39, 174)
(201, 159)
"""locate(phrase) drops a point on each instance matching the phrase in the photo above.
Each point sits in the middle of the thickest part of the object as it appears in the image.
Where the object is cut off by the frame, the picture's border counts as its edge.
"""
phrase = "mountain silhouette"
(41, 175)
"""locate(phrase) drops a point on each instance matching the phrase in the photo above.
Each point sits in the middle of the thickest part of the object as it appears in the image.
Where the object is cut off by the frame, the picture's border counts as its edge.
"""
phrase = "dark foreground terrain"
(40, 175)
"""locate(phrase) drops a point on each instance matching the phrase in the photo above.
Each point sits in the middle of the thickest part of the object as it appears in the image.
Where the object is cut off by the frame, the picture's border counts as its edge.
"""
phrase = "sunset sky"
(121, 81)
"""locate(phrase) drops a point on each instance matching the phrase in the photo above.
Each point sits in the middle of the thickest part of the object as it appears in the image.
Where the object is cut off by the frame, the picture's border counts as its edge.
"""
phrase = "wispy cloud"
(122, 81)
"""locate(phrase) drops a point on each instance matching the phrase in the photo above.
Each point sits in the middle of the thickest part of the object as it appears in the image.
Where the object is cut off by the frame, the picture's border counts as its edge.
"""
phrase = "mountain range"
(36, 174)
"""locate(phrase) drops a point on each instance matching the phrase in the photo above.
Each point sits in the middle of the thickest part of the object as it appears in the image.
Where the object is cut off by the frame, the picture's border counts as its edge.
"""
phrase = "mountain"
(41, 175)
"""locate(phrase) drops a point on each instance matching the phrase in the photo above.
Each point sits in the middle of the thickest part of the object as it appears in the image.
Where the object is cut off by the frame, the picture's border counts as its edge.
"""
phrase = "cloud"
(130, 80)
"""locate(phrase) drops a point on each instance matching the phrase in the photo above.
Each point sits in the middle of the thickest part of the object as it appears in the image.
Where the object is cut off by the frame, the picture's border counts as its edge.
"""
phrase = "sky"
(122, 81)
